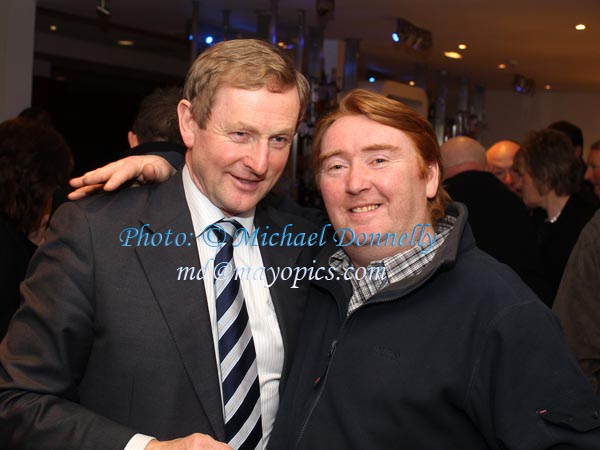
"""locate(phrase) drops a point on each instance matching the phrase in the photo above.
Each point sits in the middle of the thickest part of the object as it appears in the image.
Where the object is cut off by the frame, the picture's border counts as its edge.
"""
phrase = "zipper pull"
(331, 352)
(332, 349)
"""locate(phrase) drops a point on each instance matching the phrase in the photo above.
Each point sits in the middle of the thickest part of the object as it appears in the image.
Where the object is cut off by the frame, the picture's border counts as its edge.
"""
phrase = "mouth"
(246, 183)
(364, 209)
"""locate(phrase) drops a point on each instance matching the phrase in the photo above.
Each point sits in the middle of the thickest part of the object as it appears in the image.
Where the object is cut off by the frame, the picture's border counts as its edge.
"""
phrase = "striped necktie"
(239, 375)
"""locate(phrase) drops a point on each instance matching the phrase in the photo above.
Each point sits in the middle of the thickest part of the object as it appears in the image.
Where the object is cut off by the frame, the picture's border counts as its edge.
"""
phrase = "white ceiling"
(537, 35)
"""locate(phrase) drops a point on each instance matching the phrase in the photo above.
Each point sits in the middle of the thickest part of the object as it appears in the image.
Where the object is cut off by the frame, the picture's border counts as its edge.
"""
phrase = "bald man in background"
(499, 220)
(500, 158)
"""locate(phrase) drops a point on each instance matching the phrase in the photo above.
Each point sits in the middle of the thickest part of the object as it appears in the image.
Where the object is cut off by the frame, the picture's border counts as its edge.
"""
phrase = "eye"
(239, 136)
(378, 161)
(281, 141)
(334, 167)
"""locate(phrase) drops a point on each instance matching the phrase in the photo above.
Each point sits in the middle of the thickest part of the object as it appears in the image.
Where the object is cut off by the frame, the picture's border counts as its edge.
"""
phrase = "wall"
(17, 18)
(511, 115)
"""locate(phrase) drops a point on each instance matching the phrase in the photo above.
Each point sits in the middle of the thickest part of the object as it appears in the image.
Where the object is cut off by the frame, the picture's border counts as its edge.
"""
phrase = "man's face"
(372, 181)
(500, 161)
(242, 152)
(592, 174)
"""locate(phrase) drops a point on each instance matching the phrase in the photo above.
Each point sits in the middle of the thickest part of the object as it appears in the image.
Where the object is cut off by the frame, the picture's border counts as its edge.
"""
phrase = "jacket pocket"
(579, 418)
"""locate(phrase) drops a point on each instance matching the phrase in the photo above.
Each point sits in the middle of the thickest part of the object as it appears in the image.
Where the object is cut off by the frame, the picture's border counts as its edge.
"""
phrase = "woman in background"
(34, 161)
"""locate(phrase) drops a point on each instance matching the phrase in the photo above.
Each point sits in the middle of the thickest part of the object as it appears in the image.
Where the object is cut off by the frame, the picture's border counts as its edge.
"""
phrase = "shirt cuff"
(138, 442)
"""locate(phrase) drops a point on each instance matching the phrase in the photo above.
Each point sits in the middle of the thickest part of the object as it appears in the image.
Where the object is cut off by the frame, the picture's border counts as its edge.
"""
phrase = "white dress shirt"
(266, 334)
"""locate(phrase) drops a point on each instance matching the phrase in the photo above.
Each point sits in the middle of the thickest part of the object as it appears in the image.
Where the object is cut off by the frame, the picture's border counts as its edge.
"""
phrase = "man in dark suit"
(119, 344)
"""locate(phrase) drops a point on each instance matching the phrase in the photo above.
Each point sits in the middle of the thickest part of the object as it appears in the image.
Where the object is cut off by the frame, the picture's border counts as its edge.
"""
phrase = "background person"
(34, 161)
(500, 162)
(499, 220)
(577, 302)
(156, 125)
(575, 135)
(592, 173)
(551, 179)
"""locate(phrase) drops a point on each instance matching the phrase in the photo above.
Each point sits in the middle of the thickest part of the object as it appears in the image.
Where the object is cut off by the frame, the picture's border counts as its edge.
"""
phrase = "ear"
(132, 139)
(433, 180)
(187, 124)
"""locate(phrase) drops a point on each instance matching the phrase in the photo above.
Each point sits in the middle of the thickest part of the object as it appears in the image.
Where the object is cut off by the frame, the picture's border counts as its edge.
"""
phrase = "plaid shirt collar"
(388, 270)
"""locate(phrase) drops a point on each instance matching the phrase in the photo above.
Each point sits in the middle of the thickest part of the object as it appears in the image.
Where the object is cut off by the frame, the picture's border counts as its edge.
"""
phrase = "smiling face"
(373, 181)
(240, 155)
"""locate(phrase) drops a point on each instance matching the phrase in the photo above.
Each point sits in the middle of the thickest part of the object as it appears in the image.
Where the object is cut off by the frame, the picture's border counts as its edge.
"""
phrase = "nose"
(257, 159)
(588, 174)
(358, 179)
(507, 179)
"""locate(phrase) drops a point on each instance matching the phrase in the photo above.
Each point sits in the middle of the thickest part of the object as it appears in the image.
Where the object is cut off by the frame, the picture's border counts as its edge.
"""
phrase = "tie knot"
(223, 231)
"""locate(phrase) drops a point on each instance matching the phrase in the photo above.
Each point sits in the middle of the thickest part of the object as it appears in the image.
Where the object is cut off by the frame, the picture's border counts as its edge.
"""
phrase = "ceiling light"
(53, 28)
(125, 43)
(548, 87)
(209, 40)
(502, 66)
(453, 55)
(580, 27)
(411, 83)
(371, 79)
(462, 46)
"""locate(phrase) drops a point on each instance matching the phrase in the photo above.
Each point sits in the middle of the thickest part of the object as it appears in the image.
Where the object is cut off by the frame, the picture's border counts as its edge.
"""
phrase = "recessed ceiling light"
(462, 46)
(502, 66)
(411, 83)
(580, 27)
(53, 28)
(125, 42)
(453, 55)
(548, 87)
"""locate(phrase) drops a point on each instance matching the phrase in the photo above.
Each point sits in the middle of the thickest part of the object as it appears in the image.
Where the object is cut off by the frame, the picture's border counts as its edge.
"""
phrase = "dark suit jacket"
(109, 342)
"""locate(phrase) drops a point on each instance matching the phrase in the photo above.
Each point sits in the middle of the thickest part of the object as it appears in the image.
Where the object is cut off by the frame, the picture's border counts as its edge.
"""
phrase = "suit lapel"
(183, 302)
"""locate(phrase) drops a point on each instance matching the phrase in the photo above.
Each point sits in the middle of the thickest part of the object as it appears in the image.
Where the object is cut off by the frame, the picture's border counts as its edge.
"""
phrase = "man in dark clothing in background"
(498, 218)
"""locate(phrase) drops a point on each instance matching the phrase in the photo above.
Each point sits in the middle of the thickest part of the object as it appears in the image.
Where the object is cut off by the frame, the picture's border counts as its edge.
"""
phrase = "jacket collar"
(458, 240)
